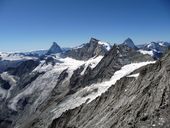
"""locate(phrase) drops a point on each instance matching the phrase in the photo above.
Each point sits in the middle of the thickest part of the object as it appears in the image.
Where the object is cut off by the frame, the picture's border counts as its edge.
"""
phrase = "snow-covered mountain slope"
(84, 95)
(11, 60)
(157, 46)
(117, 57)
(89, 93)
(46, 84)
(50, 70)
(156, 49)
(24, 88)
(140, 102)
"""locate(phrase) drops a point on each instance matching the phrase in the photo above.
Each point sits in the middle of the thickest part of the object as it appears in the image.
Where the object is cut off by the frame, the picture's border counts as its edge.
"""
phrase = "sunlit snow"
(146, 52)
(89, 93)
(134, 75)
(106, 45)
(44, 84)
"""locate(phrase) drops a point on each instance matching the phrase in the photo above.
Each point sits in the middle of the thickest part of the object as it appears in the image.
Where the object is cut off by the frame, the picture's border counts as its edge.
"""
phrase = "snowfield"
(45, 83)
(146, 52)
(87, 94)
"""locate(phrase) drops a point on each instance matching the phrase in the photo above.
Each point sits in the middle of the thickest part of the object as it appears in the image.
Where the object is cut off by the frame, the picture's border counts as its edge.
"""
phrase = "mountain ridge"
(37, 86)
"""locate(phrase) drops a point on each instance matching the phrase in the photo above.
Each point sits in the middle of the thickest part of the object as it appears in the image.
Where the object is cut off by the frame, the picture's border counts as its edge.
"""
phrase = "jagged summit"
(55, 48)
(129, 43)
(93, 40)
(88, 50)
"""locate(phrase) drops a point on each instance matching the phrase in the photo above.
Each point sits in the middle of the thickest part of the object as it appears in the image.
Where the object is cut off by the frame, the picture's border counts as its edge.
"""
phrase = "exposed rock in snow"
(89, 93)
(106, 45)
(91, 63)
(88, 50)
(50, 78)
(158, 48)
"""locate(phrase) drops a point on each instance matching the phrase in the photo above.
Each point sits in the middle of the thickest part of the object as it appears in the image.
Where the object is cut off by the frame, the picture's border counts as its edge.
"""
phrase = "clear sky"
(34, 24)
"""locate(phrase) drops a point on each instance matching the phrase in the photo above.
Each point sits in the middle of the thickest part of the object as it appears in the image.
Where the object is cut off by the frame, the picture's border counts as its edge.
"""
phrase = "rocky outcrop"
(141, 102)
(117, 57)
(87, 51)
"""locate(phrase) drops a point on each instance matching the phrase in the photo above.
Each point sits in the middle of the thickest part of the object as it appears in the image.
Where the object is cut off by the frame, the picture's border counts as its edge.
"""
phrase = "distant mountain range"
(48, 88)
(85, 51)
(155, 49)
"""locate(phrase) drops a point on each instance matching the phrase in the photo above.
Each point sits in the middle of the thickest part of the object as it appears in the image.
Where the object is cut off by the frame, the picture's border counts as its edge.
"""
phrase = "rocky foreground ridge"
(133, 102)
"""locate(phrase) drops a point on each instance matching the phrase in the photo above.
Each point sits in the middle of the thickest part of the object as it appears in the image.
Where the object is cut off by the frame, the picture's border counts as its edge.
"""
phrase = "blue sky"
(34, 24)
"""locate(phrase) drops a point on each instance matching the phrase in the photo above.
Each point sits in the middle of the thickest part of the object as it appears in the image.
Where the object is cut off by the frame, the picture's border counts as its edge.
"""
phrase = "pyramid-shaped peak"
(54, 43)
(128, 40)
(55, 48)
(129, 43)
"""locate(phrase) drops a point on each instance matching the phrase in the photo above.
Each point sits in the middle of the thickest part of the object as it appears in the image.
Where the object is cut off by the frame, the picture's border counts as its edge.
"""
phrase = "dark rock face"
(117, 57)
(4, 84)
(55, 48)
(4, 123)
(23, 76)
(87, 51)
(24, 68)
(141, 102)
(5, 64)
(51, 60)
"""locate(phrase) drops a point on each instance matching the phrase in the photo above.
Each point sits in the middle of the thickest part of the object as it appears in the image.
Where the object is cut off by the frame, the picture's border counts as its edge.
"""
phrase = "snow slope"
(146, 52)
(45, 83)
(89, 93)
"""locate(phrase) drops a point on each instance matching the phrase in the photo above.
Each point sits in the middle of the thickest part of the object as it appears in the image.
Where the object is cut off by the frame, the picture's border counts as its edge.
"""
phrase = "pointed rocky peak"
(100, 43)
(129, 43)
(88, 50)
(55, 48)
(93, 40)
